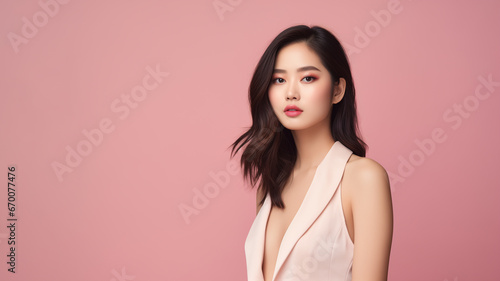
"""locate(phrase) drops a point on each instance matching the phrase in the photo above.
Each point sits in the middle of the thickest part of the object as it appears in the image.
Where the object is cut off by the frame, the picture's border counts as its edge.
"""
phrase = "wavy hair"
(270, 151)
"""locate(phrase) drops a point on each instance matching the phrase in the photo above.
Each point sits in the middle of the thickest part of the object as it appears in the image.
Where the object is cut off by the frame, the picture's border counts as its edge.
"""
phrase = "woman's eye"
(309, 78)
(280, 80)
(306, 79)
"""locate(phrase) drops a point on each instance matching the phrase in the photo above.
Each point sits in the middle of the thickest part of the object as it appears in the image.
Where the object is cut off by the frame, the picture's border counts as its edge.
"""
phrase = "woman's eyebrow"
(300, 69)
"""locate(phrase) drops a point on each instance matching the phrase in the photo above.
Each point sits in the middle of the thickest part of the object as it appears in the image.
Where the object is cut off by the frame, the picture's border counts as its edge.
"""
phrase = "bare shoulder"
(362, 172)
(368, 192)
(365, 180)
(369, 199)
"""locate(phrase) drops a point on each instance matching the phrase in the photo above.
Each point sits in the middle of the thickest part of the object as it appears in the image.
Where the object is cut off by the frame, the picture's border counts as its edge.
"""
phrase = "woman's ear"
(339, 90)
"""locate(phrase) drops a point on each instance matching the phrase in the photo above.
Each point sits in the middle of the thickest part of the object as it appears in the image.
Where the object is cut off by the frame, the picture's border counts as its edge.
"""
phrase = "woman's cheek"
(321, 100)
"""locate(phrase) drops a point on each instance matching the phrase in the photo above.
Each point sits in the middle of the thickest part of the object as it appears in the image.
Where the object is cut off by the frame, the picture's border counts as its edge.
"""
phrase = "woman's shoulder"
(363, 172)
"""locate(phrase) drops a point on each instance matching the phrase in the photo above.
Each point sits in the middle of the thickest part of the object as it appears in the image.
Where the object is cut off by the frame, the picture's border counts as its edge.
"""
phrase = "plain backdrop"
(123, 171)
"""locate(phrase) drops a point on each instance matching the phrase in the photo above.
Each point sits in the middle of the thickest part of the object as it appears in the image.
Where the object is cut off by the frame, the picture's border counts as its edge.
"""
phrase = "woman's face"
(300, 79)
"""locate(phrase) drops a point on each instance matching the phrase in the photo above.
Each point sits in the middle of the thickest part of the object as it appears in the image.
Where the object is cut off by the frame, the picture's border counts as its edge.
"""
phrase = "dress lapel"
(254, 245)
(323, 186)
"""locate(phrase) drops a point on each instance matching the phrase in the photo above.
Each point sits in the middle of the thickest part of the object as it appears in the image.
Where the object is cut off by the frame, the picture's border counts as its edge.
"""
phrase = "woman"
(324, 210)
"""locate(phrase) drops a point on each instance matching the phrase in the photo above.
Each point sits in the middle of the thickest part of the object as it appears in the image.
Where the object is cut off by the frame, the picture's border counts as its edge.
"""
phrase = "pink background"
(116, 215)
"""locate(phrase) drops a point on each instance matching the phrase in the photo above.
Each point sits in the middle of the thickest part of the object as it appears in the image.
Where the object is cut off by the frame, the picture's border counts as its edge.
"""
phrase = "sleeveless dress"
(316, 246)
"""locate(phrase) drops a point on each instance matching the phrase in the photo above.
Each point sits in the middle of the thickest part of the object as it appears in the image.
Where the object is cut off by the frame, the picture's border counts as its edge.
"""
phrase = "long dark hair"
(271, 152)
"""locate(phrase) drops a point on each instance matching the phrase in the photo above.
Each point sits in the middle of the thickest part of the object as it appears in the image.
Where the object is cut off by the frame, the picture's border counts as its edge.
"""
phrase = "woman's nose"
(292, 92)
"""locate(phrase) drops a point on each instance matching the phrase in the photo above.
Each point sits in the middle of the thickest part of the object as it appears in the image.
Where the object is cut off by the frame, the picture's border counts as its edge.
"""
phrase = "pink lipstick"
(292, 110)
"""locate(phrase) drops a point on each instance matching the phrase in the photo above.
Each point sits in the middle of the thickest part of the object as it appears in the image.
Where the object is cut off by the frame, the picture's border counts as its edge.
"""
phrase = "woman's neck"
(312, 146)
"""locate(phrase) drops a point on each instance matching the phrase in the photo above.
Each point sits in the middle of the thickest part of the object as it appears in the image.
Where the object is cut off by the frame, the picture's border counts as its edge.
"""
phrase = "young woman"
(324, 210)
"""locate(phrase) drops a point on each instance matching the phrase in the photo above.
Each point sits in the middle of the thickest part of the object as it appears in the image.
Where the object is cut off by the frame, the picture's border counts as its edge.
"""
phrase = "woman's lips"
(293, 113)
(292, 110)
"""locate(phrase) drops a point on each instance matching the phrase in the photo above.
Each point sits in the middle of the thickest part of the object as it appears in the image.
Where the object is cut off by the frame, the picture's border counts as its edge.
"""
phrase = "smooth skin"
(366, 196)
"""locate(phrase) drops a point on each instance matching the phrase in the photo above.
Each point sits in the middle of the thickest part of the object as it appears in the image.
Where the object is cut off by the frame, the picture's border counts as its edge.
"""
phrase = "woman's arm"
(372, 214)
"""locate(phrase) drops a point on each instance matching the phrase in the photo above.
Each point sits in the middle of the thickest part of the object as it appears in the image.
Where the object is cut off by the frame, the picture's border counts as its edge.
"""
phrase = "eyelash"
(314, 78)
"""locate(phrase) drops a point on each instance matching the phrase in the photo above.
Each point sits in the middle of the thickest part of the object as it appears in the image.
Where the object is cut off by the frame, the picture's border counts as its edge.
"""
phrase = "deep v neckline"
(294, 219)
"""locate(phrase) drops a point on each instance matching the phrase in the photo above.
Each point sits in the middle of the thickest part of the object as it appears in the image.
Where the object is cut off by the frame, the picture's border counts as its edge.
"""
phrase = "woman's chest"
(279, 220)
(293, 195)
